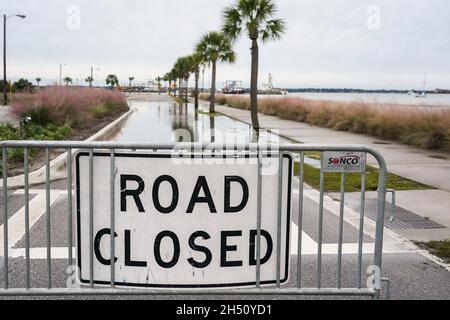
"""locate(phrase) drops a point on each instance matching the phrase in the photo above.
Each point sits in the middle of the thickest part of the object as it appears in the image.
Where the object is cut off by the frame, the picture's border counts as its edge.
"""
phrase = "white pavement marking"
(392, 242)
(310, 247)
(16, 223)
(41, 253)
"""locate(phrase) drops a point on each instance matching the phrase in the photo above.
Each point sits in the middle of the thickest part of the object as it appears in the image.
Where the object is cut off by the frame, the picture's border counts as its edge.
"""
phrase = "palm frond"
(232, 23)
(216, 46)
(273, 30)
(256, 17)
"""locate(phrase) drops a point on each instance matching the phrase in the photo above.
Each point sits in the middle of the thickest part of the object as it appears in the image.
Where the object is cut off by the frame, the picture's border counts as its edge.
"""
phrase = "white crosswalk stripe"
(16, 223)
(16, 231)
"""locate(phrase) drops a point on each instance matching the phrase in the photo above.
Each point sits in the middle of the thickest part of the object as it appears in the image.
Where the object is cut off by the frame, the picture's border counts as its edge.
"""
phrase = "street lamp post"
(5, 90)
(92, 76)
(60, 72)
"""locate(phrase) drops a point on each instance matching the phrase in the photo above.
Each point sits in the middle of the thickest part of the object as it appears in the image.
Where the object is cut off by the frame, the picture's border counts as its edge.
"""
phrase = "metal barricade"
(295, 289)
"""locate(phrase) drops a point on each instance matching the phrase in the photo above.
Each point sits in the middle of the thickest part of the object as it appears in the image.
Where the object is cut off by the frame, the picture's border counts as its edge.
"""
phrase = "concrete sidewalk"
(428, 167)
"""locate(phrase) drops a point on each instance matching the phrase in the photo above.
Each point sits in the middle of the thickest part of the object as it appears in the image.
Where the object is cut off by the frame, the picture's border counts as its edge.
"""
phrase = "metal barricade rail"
(112, 147)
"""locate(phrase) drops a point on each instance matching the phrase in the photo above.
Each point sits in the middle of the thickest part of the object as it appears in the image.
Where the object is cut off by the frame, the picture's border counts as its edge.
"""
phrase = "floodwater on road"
(166, 121)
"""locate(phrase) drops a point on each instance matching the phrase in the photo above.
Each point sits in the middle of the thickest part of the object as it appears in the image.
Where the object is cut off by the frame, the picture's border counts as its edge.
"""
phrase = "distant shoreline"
(349, 90)
(426, 128)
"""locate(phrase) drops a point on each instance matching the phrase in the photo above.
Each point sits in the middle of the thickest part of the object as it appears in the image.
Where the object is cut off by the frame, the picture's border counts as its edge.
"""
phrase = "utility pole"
(5, 90)
(92, 77)
(60, 74)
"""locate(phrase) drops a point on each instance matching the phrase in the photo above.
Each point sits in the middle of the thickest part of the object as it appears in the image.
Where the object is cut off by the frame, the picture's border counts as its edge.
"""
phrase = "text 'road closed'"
(186, 225)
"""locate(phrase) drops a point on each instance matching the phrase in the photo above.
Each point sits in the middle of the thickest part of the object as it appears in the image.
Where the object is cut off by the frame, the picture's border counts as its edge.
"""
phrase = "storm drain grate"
(404, 219)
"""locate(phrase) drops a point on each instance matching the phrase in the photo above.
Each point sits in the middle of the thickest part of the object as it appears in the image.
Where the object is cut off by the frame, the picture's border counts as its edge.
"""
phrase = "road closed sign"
(181, 225)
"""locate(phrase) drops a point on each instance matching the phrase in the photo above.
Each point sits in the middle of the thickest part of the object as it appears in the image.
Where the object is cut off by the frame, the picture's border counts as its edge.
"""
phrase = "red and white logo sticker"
(344, 162)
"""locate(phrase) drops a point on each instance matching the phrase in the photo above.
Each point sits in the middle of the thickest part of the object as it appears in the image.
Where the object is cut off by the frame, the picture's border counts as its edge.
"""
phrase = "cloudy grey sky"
(329, 43)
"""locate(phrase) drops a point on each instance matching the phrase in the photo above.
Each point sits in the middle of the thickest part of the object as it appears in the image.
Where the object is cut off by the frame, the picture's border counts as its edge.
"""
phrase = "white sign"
(182, 226)
(344, 162)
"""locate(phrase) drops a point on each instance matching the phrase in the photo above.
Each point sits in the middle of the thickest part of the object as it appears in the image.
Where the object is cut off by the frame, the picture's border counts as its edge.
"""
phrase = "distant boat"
(233, 87)
(417, 94)
(270, 90)
(423, 93)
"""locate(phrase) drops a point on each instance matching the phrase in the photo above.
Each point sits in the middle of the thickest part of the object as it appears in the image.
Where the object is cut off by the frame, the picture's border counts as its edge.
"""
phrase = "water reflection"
(162, 122)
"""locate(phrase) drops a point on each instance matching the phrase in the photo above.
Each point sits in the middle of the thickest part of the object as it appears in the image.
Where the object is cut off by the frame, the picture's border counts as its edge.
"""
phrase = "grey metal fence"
(296, 287)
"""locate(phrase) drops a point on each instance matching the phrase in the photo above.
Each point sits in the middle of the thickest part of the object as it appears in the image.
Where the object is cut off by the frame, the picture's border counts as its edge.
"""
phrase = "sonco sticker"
(344, 162)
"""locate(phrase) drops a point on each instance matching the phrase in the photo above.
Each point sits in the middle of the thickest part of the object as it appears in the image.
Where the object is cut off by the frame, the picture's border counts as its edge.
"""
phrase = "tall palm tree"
(158, 80)
(182, 71)
(112, 80)
(256, 19)
(68, 80)
(166, 80)
(215, 47)
(89, 80)
(170, 79)
(131, 80)
(174, 78)
(196, 64)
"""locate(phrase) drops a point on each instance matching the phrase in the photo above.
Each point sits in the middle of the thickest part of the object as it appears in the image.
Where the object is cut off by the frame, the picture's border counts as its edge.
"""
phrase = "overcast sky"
(329, 43)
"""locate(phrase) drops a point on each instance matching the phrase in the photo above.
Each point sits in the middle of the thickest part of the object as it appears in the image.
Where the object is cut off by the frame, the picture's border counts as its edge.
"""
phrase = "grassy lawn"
(332, 182)
(438, 248)
(206, 113)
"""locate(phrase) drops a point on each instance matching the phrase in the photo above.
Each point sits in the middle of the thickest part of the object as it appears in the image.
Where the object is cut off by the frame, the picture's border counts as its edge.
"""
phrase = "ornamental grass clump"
(78, 107)
(423, 127)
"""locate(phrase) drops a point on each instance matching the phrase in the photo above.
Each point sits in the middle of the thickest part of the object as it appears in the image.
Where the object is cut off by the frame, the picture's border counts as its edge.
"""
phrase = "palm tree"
(168, 77)
(89, 80)
(182, 72)
(38, 80)
(173, 78)
(197, 62)
(167, 80)
(158, 79)
(256, 19)
(68, 80)
(215, 47)
(172, 82)
(112, 80)
(131, 80)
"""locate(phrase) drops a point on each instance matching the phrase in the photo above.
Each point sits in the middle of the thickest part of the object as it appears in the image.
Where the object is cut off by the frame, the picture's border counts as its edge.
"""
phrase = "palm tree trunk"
(197, 76)
(212, 127)
(254, 85)
(180, 89)
(187, 89)
(212, 104)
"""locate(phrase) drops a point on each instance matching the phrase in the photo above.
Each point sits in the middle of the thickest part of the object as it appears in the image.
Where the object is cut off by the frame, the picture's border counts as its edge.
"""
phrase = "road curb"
(58, 166)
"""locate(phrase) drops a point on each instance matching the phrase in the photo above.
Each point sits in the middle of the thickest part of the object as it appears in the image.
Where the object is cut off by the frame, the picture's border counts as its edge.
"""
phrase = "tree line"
(253, 18)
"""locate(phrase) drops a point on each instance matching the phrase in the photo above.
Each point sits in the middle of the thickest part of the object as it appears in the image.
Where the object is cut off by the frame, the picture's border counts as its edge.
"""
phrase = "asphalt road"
(412, 275)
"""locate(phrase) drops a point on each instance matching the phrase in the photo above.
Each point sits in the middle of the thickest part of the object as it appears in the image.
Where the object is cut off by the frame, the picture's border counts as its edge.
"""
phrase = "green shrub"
(99, 111)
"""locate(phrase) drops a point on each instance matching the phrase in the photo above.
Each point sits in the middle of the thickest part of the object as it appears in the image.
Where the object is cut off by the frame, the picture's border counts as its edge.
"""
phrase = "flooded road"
(159, 119)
